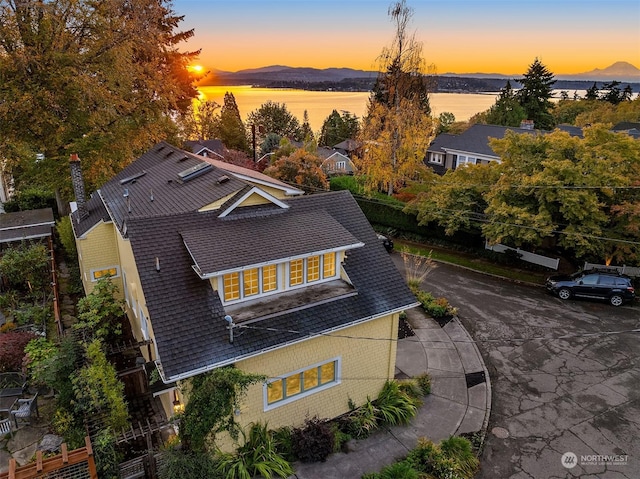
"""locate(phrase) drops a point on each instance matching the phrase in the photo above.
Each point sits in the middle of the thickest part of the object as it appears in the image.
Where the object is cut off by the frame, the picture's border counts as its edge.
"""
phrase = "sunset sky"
(459, 36)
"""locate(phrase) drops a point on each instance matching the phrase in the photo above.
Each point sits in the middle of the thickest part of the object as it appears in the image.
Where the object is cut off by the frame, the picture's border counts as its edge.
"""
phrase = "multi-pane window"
(231, 286)
(251, 282)
(269, 278)
(300, 382)
(296, 269)
(112, 272)
(328, 265)
(256, 281)
(313, 268)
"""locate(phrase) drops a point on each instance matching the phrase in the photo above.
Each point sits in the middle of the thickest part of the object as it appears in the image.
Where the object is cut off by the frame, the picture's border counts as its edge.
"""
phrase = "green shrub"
(362, 421)
(107, 455)
(256, 457)
(424, 381)
(412, 388)
(26, 267)
(33, 314)
(313, 442)
(340, 438)
(399, 470)
(179, 464)
(67, 238)
(284, 443)
(394, 405)
(39, 352)
(461, 451)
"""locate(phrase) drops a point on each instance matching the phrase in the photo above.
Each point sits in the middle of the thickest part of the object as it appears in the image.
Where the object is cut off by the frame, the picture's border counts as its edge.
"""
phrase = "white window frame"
(437, 158)
(282, 278)
(341, 165)
(468, 160)
(288, 400)
(144, 326)
(92, 271)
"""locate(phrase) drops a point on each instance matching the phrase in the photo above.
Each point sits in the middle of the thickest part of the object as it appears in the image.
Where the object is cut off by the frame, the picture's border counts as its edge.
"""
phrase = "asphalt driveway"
(565, 378)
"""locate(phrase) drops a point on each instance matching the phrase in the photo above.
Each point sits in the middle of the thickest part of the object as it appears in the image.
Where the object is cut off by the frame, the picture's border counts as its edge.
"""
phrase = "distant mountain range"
(348, 79)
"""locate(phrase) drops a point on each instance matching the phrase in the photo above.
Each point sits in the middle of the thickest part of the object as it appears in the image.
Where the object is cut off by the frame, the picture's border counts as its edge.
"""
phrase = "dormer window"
(254, 282)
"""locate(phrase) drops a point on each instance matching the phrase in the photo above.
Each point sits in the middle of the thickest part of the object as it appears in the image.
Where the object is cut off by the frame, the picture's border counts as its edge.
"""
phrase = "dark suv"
(609, 284)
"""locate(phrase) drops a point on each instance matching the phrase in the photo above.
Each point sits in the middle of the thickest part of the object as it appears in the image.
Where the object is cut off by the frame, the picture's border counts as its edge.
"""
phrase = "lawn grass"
(474, 263)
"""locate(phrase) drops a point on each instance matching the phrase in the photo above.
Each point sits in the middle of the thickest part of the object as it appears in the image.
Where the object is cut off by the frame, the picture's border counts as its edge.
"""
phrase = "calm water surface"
(320, 104)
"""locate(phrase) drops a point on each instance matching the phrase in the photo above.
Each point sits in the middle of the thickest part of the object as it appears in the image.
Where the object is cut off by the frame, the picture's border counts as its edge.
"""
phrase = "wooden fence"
(76, 464)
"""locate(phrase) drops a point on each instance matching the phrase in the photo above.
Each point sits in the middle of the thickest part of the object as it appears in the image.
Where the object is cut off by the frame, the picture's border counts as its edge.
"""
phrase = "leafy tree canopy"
(301, 168)
(274, 118)
(103, 79)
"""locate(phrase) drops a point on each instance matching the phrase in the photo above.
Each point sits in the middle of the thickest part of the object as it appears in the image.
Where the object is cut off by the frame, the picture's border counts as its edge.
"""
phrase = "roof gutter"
(230, 361)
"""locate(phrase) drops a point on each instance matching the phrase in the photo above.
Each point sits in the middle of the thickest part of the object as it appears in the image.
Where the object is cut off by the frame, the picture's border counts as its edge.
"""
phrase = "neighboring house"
(348, 147)
(335, 163)
(30, 225)
(629, 127)
(220, 265)
(208, 148)
(448, 152)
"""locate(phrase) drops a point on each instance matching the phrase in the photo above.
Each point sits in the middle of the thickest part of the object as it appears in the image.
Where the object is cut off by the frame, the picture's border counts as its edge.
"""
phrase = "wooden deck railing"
(65, 460)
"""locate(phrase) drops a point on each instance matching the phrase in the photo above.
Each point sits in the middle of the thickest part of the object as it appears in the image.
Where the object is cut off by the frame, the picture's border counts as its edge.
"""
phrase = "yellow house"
(222, 265)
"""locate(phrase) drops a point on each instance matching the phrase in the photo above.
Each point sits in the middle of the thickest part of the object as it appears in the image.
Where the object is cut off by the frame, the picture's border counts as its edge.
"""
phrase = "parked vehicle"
(594, 284)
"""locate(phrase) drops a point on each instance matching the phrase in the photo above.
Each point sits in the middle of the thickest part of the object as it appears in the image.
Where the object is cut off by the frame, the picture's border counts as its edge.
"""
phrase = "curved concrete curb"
(487, 382)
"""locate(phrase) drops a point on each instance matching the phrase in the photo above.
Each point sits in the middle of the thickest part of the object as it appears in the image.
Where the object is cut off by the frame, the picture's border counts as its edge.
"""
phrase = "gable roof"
(187, 315)
(168, 235)
(200, 146)
(151, 186)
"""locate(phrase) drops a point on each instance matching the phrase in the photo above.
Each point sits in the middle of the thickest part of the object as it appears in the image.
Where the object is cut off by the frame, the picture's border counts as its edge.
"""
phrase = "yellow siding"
(217, 204)
(365, 366)
(254, 199)
(134, 293)
(98, 250)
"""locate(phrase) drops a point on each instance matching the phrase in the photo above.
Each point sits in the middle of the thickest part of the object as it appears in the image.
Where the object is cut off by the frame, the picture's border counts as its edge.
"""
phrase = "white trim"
(289, 191)
(287, 400)
(199, 153)
(144, 325)
(259, 192)
(93, 270)
(125, 287)
(277, 261)
(282, 278)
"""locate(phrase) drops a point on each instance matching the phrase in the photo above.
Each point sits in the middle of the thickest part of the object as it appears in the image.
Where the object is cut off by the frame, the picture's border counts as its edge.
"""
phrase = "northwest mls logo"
(569, 460)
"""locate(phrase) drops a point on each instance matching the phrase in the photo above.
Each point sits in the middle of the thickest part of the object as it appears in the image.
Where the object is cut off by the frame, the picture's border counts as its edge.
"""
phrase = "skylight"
(195, 171)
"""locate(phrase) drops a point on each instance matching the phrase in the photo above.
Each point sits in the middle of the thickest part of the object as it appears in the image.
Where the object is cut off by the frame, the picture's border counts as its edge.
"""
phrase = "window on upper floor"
(111, 271)
(301, 383)
(254, 282)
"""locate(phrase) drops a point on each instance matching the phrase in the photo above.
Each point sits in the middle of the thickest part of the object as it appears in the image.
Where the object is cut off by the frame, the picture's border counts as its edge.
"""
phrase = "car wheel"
(564, 293)
(616, 300)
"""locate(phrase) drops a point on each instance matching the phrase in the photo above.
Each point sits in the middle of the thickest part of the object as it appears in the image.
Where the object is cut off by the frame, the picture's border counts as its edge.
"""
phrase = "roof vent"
(168, 154)
(195, 171)
(223, 179)
(184, 158)
(132, 178)
(161, 147)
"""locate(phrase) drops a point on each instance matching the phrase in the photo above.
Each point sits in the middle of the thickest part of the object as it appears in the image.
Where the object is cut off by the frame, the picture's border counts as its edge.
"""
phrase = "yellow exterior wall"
(134, 293)
(365, 366)
(98, 250)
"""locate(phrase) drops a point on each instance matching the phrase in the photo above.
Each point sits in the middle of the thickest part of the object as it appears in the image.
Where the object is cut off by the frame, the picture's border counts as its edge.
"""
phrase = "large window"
(301, 383)
(112, 272)
(240, 285)
(436, 158)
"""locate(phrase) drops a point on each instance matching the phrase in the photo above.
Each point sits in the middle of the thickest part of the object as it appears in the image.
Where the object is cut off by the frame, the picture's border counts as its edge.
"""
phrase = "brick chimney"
(78, 185)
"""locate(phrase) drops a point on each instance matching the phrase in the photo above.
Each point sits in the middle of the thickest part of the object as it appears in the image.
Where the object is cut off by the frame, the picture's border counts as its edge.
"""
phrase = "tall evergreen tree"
(337, 128)
(592, 92)
(535, 95)
(306, 131)
(506, 111)
(102, 79)
(231, 130)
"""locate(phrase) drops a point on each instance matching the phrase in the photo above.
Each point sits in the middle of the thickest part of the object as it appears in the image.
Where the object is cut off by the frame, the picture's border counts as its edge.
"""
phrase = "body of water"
(320, 104)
